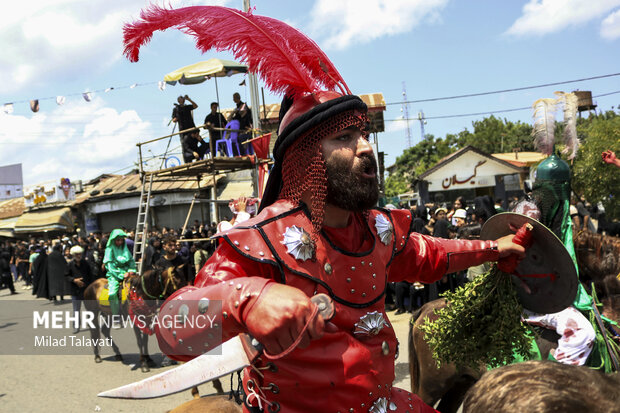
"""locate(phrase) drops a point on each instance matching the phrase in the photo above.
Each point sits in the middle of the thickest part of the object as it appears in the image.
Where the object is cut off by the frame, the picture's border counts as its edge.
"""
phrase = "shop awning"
(7, 225)
(56, 219)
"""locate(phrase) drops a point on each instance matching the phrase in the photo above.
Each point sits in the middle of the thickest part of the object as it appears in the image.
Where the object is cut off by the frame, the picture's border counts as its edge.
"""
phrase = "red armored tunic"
(350, 370)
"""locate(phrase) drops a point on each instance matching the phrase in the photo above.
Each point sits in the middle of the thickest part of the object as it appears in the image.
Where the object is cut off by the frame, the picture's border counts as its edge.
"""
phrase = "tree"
(416, 160)
(493, 135)
(592, 177)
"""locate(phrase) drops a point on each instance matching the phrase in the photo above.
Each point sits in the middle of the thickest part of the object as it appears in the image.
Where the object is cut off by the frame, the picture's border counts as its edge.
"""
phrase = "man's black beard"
(347, 189)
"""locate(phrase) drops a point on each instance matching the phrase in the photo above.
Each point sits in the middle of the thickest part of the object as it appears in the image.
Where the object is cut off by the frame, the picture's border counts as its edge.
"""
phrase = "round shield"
(546, 279)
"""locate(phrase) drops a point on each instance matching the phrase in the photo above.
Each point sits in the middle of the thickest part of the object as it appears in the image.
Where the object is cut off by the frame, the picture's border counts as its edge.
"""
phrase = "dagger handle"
(254, 349)
(523, 237)
(325, 305)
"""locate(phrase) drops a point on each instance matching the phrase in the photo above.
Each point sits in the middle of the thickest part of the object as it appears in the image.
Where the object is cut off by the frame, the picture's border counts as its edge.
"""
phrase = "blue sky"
(437, 47)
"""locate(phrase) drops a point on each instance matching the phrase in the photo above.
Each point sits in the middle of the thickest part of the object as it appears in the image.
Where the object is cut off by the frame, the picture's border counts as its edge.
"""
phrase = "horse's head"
(178, 276)
(159, 283)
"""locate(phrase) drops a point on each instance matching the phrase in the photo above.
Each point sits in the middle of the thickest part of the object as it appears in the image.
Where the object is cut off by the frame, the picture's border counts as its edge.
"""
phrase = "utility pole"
(253, 84)
(422, 122)
(405, 110)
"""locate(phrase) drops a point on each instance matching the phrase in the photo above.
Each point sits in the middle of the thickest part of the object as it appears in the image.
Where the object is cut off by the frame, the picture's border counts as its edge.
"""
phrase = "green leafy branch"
(480, 325)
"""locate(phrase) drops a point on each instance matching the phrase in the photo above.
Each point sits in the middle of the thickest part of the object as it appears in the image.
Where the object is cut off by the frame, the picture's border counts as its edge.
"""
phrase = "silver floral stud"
(370, 324)
(379, 406)
(298, 243)
(384, 227)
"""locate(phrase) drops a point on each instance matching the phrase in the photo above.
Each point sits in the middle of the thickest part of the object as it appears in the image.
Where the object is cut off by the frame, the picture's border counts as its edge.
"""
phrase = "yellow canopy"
(6, 226)
(201, 71)
(50, 219)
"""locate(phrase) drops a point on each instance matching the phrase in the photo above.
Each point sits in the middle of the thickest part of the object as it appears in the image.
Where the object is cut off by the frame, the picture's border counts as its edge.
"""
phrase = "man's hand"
(196, 155)
(78, 282)
(241, 204)
(278, 316)
(506, 247)
(610, 158)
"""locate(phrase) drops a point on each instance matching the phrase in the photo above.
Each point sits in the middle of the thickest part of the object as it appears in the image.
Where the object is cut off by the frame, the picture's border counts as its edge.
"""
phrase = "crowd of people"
(194, 147)
(49, 267)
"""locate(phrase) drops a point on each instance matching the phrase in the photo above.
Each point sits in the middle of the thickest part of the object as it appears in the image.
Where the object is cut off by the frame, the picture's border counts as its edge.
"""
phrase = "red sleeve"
(426, 259)
(225, 288)
(422, 259)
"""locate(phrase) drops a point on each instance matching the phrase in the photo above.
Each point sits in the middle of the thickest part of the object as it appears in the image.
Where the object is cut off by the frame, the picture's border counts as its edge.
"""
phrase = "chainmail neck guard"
(304, 166)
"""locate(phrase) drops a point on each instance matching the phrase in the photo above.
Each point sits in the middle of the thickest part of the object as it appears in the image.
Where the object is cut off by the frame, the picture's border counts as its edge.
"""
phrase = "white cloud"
(548, 16)
(53, 40)
(397, 125)
(76, 140)
(610, 27)
(348, 22)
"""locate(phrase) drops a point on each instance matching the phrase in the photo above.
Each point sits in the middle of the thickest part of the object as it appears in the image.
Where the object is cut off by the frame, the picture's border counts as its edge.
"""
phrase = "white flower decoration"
(298, 243)
(370, 324)
(379, 406)
(384, 228)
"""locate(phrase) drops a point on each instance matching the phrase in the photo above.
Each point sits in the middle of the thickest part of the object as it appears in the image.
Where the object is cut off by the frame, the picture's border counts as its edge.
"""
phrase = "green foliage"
(494, 135)
(481, 324)
(592, 177)
(416, 160)
(396, 184)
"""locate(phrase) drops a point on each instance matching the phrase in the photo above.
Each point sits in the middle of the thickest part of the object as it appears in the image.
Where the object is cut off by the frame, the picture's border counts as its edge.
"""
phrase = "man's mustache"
(367, 163)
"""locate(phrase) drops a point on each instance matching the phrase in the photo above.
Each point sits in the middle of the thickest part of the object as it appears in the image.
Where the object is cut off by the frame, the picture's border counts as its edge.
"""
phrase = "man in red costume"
(317, 231)
(321, 234)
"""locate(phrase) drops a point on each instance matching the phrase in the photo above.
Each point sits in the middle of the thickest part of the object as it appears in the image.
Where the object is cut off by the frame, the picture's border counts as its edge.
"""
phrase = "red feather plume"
(286, 59)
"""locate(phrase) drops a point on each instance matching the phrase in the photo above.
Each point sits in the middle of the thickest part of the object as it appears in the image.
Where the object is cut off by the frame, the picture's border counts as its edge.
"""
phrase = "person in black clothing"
(152, 254)
(21, 261)
(440, 229)
(56, 270)
(214, 120)
(243, 114)
(182, 114)
(40, 287)
(194, 147)
(79, 276)
(5, 271)
(171, 258)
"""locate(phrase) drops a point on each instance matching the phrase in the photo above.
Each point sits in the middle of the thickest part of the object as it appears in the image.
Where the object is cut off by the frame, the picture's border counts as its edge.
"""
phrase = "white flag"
(8, 108)
(60, 100)
(161, 85)
(88, 96)
(108, 89)
(132, 86)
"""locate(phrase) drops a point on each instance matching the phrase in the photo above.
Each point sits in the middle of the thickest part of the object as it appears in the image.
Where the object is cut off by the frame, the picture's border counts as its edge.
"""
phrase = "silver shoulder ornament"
(298, 243)
(370, 324)
(384, 228)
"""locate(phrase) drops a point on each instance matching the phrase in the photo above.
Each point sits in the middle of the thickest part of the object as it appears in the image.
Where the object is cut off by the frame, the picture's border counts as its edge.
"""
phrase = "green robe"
(118, 260)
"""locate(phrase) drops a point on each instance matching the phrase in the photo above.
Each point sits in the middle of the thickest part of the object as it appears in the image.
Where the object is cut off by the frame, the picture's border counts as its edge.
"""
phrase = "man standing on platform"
(182, 114)
(214, 120)
(243, 114)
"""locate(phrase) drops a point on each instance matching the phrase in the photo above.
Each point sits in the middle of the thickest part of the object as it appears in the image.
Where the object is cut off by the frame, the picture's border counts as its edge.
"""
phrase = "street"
(54, 383)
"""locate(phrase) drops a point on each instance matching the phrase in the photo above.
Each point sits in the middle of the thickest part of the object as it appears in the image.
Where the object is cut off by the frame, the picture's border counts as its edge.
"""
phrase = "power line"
(489, 112)
(504, 90)
(109, 89)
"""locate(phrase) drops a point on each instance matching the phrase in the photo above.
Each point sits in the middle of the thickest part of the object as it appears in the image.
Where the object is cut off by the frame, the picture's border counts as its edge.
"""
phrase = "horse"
(155, 283)
(598, 259)
(544, 386)
(447, 384)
